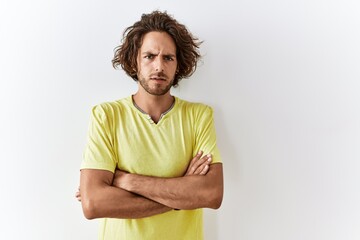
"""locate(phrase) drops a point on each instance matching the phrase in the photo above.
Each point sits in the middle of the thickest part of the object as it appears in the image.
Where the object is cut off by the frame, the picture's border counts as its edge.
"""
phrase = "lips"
(157, 77)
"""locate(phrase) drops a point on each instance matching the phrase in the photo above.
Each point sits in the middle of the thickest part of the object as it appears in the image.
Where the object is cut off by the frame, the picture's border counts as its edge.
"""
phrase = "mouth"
(158, 78)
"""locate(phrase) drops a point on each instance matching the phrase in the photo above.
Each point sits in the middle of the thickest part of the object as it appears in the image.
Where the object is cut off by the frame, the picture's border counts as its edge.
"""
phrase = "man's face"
(157, 63)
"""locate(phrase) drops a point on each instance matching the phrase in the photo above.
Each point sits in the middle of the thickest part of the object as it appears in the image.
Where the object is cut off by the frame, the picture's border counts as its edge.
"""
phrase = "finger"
(78, 196)
(197, 157)
(201, 168)
(200, 164)
(197, 166)
(190, 169)
(205, 170)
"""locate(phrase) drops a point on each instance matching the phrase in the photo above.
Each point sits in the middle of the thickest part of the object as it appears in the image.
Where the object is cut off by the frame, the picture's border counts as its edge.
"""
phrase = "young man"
(144, 170)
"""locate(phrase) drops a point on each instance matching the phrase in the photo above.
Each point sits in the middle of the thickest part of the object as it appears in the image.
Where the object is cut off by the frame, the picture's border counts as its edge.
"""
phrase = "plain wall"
(283, 79)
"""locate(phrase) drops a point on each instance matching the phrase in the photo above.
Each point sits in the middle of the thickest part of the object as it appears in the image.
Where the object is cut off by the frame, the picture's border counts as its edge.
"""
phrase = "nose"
(159, 64)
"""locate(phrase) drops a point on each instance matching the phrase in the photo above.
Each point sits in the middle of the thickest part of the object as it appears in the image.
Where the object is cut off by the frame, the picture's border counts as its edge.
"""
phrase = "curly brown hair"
(187, 45)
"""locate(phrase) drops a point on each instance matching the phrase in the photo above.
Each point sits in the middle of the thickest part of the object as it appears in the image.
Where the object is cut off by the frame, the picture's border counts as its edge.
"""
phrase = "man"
(144, 170)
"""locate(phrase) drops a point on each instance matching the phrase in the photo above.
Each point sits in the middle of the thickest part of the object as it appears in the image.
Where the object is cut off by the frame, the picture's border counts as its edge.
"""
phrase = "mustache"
(159, 75)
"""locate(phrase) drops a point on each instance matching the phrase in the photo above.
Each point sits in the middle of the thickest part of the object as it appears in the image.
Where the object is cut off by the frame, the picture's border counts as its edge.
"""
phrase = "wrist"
(126, 182)
(121, 180)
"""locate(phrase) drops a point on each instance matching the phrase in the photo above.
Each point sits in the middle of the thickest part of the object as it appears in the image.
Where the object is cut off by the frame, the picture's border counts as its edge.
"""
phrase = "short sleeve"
(206, 135)
(99, 150)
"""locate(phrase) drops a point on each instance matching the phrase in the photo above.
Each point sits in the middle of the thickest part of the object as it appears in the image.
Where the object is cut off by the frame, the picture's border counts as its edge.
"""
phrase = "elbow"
(89, 209)
(216, 199)
(89, 215)
(215, 186)
(216, 202)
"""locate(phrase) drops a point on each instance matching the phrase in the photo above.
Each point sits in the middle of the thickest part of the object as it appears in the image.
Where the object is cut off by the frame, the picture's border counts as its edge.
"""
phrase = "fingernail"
(200, 152)
(209, 159)
(209, 155)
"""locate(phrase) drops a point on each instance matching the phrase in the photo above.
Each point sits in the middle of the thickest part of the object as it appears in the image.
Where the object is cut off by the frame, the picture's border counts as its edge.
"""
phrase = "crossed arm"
(126, 195)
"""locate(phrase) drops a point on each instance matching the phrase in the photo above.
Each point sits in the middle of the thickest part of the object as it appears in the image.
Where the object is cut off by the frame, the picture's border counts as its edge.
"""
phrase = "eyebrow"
(156, 54)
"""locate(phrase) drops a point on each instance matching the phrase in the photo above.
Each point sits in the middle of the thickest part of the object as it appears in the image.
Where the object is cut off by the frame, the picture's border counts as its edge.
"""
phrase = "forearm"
(103, 200)
(188, 192)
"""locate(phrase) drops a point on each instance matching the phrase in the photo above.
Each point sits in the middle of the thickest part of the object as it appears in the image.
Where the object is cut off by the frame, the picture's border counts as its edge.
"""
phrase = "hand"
(199, 165)
(77, 195)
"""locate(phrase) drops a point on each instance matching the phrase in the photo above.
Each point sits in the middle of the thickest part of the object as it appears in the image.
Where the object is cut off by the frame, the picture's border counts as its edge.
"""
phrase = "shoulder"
(111, 108)
(196, 108)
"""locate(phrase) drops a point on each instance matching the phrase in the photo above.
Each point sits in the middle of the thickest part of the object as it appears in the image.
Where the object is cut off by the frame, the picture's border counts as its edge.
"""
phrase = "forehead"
(158, 42)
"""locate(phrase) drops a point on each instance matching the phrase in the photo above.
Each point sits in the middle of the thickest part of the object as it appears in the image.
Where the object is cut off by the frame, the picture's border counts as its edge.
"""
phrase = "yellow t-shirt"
(120, 136)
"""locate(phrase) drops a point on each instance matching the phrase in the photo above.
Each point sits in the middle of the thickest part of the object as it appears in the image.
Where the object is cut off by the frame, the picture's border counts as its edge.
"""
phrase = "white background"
(283, 77)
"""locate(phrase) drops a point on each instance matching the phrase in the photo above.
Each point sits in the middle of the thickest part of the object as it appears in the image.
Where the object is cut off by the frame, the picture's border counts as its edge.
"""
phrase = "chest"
(164, 149)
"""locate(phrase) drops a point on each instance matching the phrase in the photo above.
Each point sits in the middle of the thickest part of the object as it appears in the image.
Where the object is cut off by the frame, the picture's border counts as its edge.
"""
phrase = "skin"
(101, 196)
(157, 66)
(126, 195)
(187, 193)
(198, 166)
(157, 63)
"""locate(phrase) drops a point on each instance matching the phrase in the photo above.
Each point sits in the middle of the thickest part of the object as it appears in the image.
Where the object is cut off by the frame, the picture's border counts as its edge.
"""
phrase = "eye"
(149, 56)
(169, 58)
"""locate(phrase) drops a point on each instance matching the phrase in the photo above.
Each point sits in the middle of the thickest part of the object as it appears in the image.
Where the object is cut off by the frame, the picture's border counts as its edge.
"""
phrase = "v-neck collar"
(146, 115)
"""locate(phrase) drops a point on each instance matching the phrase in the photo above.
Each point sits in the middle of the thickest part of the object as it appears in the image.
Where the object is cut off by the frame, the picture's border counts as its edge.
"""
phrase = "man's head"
(186, 46)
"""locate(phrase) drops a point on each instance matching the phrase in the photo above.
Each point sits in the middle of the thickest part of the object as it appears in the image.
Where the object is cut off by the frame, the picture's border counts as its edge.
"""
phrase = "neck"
(152, 104)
